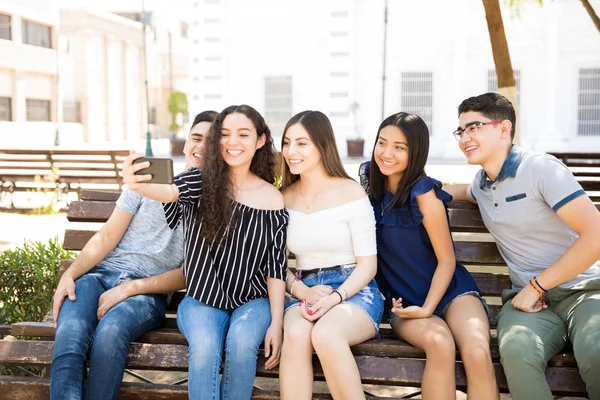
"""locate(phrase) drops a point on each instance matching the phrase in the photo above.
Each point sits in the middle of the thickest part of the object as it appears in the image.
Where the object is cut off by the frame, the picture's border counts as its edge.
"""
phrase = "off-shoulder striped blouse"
(233, 271)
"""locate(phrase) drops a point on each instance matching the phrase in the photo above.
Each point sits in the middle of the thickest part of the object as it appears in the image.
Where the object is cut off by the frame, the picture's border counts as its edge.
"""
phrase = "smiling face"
(239, 140)
(194, 145)
(483, 146)
(299, 151)
(391, 152)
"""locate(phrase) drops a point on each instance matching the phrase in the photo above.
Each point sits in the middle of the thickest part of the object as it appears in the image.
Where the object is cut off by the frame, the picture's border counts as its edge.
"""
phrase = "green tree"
(177, 104)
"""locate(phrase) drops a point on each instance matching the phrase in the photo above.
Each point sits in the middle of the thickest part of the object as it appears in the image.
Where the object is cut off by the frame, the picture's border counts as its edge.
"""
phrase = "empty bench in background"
(65, 170)
(586, 168)
(385, 361)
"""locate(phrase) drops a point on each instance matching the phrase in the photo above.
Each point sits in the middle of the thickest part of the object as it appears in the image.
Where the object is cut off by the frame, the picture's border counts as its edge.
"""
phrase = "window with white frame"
(278, 102)
(37, 34)
(492, 79)
(417, 95)
(588, 107)
(5, 24)
(37, 110)
(5, 109)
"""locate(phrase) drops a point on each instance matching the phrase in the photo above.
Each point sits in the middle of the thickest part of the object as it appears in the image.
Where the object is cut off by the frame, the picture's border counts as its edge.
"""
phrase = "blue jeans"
(208, 330)
(79, 329)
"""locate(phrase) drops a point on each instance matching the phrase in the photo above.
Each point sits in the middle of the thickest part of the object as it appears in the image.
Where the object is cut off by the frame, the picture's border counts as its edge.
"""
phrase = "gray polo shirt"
(519, 209)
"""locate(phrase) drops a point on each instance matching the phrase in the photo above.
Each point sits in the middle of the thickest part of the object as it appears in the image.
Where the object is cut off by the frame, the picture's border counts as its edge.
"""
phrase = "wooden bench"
(385, 361)
(586, 168)
(66, 170)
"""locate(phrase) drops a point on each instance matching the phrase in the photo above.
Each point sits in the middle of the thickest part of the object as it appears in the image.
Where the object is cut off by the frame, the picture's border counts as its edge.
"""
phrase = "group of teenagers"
(223, 231)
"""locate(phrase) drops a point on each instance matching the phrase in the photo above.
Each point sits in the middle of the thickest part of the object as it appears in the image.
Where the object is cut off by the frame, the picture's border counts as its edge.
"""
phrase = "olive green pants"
(528, 340)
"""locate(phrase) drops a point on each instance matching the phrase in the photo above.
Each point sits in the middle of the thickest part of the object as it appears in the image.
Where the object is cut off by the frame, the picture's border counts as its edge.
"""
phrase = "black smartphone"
(161, 169)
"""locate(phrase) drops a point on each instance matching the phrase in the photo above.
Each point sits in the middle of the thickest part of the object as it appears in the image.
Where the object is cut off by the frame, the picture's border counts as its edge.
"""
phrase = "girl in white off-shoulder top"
(335, 302)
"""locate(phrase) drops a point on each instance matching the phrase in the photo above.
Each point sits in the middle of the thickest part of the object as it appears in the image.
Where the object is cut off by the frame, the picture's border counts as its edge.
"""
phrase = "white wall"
(267, 37)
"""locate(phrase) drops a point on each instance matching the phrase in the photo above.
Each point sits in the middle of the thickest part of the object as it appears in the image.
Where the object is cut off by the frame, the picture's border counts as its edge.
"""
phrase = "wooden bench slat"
(100, 195)
(374, 370)
(27, 388)
(46, 169)
(385, 347)
(77, 239)
(90, 211)
(67, 152)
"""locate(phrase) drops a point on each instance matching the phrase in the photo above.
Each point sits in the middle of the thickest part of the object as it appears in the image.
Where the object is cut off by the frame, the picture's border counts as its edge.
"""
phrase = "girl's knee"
(440, 344)
(477, 356)
(324, 338)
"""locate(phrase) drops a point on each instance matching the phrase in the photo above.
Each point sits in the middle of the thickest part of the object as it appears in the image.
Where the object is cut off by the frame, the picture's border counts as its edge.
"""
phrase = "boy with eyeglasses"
(548, 232)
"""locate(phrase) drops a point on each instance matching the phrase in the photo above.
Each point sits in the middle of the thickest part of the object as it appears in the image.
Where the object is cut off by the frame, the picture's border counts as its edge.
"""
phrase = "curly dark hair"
(216, 209)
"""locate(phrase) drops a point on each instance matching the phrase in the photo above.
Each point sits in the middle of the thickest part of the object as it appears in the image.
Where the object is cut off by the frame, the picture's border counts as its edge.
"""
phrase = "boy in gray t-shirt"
(547, 231)
(110, 292)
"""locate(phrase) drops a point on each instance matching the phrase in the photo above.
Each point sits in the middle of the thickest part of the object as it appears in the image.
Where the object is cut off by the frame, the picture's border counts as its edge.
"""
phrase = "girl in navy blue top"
(434, 301)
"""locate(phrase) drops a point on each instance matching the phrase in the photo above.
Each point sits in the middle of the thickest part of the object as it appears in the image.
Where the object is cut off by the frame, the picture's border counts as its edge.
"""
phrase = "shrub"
(28, 278)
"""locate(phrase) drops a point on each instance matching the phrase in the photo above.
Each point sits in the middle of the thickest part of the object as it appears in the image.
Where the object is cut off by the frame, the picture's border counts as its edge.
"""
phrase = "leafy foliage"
(28, 277)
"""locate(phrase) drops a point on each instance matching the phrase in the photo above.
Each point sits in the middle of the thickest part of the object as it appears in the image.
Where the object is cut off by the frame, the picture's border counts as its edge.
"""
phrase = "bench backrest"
(101, 166)
(474, 246)
(586, 168)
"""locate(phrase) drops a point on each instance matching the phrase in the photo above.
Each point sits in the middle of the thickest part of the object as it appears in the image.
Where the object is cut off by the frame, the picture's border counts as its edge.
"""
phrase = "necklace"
(306, 205)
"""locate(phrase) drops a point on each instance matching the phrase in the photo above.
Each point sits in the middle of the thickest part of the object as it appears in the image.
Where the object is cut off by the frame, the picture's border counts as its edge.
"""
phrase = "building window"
(37, 110)
(588, 107)
(5, 25)
(184, 27)
(71, 111)
(37, 34)
(493, 82)
(278, 102)
(417, 95)
(5, 109)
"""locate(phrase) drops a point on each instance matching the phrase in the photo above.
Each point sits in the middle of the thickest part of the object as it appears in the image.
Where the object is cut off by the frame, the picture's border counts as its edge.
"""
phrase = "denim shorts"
(368, 299)
(441, 312)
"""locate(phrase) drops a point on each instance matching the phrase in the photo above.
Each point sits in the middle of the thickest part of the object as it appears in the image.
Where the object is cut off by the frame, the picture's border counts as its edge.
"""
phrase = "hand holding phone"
(161, 169)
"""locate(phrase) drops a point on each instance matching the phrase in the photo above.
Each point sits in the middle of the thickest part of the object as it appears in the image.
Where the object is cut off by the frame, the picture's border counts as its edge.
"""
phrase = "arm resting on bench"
(460, 191)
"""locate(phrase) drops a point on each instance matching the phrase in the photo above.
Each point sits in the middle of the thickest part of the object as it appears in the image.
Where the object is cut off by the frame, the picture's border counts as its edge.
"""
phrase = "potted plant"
(356, 144)
(177, 105)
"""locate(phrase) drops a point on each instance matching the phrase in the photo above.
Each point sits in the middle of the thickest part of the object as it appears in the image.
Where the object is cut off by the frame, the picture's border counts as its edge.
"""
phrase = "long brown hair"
(417, 137)
(321, 134)
(216, 209)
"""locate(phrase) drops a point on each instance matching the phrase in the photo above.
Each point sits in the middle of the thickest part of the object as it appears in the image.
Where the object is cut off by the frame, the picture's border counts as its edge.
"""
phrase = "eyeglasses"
(472, 128)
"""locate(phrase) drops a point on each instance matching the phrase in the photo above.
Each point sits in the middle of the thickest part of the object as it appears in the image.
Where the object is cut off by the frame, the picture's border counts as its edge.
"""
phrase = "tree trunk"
(592, 13)
(506, 79)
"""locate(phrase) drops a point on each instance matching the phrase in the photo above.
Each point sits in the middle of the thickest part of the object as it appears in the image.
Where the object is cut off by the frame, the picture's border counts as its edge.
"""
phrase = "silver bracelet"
(345, 292)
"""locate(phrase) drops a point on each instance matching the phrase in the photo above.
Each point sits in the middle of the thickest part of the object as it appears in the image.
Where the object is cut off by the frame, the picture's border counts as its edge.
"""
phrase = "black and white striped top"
(231, 272)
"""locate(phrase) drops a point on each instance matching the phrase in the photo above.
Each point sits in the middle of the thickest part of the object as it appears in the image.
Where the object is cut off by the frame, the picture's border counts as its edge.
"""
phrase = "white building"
(75, 76)
(27, 72)
(287, 56)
